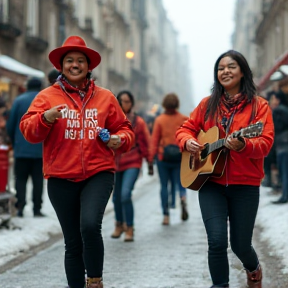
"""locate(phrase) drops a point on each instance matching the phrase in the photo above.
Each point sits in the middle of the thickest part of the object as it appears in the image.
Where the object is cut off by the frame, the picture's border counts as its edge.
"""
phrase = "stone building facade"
(264, 40)
(29, 29)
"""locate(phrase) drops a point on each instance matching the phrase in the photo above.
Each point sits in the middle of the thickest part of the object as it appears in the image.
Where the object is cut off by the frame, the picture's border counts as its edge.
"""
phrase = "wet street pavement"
(173, 256)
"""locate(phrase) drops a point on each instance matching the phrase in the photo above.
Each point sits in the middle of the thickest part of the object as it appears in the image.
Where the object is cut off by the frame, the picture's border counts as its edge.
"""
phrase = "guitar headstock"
(250, 131)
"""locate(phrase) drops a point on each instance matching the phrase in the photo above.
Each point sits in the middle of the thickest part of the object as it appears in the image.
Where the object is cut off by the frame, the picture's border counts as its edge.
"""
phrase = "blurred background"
(150, 47)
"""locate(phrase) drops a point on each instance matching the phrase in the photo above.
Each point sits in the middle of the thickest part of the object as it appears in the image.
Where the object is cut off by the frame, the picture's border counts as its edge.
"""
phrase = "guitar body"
(196, 171)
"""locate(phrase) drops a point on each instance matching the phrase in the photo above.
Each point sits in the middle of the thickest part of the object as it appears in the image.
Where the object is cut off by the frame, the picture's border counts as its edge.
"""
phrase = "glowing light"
(129, 54)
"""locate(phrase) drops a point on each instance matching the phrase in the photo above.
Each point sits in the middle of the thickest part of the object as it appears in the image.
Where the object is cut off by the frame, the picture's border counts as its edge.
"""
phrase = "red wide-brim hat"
(74, 43)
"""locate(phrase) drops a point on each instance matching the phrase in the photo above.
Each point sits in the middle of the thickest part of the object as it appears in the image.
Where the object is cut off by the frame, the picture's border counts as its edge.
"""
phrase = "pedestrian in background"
(27, 156)
(128, 167)
(280, 118)
(81, 125)
(168, 164)
(53, 75)
(234, 196)
(271, 160)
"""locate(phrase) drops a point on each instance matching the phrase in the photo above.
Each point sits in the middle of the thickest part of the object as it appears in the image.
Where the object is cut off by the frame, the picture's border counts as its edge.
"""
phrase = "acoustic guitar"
(197, 168)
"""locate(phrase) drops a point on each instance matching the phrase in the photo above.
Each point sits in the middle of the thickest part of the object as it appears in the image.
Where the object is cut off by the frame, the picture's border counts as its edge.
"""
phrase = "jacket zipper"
(82, 130)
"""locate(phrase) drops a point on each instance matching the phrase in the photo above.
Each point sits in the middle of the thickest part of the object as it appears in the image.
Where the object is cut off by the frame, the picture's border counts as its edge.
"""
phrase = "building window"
(76, 7)
(4, 11)
(33, 18)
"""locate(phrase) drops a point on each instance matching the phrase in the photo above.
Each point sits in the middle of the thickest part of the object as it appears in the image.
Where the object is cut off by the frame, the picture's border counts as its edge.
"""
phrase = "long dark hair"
(130, 95)
(247, 85)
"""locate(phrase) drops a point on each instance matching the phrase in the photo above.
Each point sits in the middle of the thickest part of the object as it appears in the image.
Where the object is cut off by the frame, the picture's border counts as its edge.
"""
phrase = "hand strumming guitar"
(193, 146)
(236, 144)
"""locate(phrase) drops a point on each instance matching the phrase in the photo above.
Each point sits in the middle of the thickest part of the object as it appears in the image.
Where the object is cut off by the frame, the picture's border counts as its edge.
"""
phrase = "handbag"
(172, 153)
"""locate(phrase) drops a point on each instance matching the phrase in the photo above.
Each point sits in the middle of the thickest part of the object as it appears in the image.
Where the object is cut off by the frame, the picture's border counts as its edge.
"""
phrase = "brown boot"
(129, 234)
(166, 220)
(119, 229)
(254, 279)
(94, 283)
(184, 212)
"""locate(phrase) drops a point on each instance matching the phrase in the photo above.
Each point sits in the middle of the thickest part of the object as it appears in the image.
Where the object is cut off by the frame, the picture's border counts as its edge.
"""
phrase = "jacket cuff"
(248, 148)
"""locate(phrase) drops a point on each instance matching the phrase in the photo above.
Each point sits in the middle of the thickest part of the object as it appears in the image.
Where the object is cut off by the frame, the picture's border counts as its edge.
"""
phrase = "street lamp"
(129, 54)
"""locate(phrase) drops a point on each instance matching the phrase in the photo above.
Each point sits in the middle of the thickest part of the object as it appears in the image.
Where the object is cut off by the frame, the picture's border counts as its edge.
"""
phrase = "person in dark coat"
(280, 118)
(27, 156)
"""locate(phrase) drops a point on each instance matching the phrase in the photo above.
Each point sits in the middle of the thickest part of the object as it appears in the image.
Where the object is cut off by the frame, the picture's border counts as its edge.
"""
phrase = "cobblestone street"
(172, 256)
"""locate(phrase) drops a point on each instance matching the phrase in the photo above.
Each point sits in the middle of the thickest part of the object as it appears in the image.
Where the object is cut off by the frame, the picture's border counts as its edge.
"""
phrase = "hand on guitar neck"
(236, 144)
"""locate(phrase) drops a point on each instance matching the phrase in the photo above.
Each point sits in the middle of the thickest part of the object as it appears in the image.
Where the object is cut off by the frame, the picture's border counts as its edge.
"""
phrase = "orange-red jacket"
(244, 167)
(163, 134)
(134, 158)
(71, 147)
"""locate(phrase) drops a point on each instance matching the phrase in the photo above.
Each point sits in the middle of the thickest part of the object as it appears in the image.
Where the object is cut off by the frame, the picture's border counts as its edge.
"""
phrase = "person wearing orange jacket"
(128, 166)
(168, 164)
(234, 194)
(81, 126)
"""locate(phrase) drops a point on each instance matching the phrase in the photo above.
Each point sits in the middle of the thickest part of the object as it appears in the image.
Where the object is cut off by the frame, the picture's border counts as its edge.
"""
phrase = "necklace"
(81, 93)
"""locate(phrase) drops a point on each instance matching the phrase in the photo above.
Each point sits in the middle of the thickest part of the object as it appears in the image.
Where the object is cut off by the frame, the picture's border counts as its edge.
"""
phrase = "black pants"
(23, 168)
(80, 207)
(239, 205)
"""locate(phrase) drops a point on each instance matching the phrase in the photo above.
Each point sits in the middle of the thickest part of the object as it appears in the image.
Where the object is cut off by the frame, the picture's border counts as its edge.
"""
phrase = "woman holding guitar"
(231, 194)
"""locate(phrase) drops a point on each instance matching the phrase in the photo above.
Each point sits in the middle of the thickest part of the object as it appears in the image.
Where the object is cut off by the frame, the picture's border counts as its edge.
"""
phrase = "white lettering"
(91, 113)
(70, 134)
(73, 124)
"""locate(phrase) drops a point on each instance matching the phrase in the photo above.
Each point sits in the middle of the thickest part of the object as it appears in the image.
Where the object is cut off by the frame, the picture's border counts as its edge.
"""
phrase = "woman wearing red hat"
(81, 125)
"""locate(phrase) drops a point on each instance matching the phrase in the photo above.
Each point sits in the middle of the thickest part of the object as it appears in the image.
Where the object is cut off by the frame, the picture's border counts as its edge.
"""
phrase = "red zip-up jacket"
(72, 148)
(134, 157)
(244, 167)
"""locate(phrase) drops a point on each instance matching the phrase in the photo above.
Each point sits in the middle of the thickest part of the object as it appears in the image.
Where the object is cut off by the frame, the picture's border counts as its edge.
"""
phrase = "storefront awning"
(11, 64)
(283, 60)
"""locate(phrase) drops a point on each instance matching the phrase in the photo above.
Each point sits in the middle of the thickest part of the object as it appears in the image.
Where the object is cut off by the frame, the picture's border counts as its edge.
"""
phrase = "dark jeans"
(23, 168)
(182, 191)
(169, 172)
(80, 208)
(122, 195)
(237, 204)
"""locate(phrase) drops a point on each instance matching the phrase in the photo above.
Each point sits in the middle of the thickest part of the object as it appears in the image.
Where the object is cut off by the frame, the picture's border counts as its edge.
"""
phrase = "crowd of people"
(112, 141)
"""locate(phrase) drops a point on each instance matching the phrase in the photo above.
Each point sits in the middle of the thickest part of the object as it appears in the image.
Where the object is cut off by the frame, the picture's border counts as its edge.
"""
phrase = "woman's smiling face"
(229, 75)
(75, 67)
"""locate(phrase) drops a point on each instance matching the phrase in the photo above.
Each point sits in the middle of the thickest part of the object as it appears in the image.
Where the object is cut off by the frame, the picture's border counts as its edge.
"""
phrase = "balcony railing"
(36, 43)
(8, 30)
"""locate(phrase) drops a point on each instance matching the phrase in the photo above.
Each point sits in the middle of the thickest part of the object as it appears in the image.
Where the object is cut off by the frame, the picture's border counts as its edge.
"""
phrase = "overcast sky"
(206, 26)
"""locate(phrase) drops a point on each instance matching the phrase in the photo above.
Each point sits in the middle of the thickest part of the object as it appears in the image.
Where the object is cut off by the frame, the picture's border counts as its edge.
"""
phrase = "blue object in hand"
(104, 134)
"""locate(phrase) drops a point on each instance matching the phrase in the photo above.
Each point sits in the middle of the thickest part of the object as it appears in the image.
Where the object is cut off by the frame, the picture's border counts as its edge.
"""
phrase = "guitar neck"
(216, 145)
(211, 147)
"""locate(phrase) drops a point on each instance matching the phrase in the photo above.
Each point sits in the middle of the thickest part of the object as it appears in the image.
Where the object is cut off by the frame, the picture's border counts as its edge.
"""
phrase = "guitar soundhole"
(204, 152)
(191, 161)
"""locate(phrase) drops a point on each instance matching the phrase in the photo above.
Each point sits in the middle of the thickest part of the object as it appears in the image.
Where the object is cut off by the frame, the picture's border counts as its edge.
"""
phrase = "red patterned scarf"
(86, 88)
(228, 106)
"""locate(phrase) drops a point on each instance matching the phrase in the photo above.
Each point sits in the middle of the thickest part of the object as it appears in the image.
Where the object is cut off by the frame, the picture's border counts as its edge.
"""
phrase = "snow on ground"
(274, 221)
(272, 218)
(30, 231)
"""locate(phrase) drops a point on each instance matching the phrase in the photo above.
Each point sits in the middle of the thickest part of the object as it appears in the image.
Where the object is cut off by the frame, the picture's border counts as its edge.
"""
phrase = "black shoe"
(279, 201)
(39, 214)
(184, 212)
